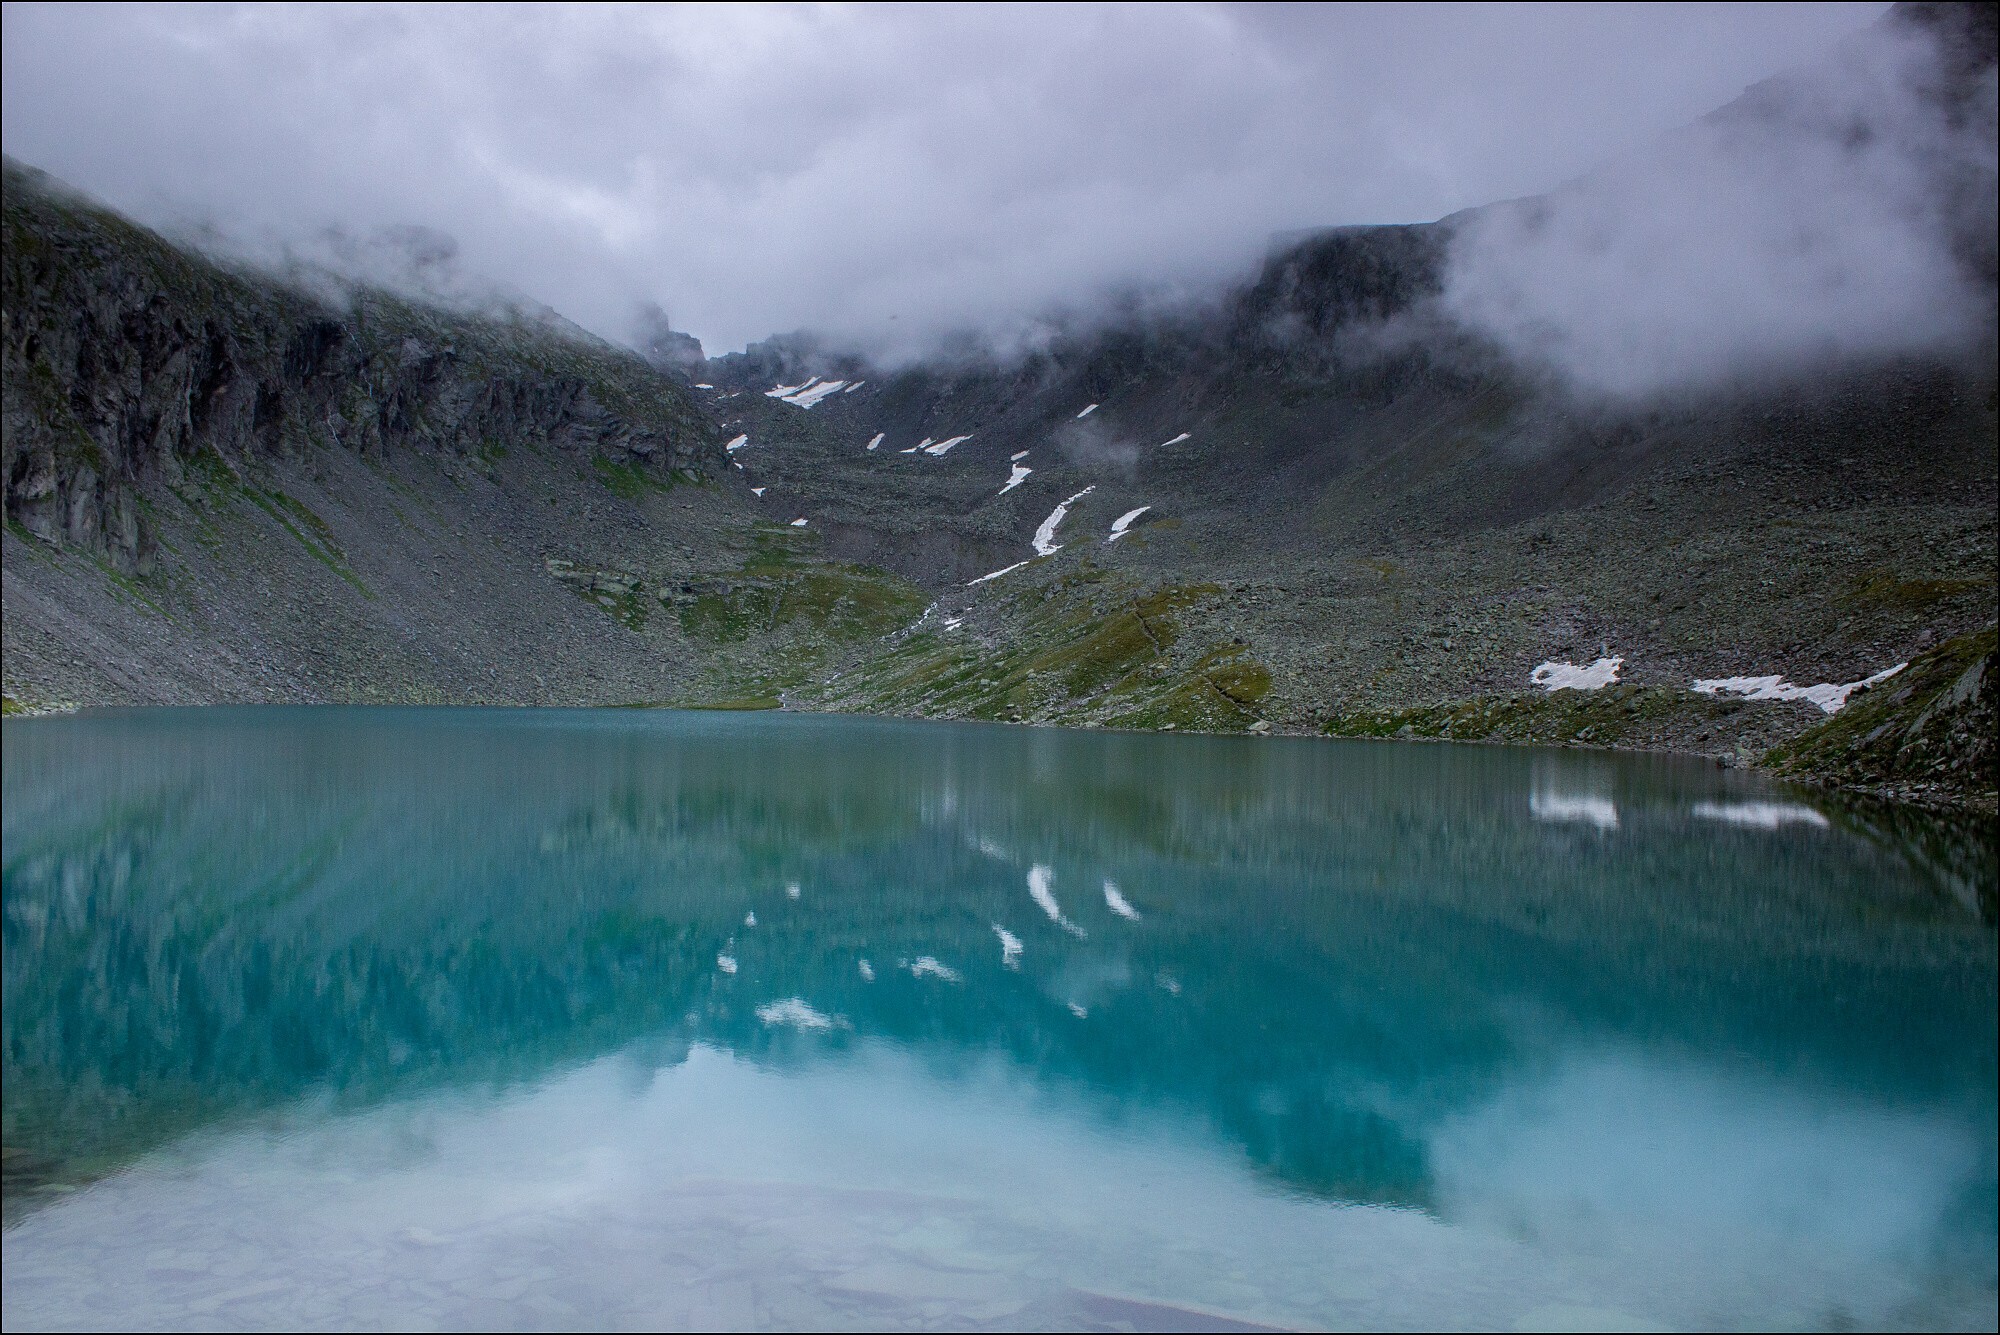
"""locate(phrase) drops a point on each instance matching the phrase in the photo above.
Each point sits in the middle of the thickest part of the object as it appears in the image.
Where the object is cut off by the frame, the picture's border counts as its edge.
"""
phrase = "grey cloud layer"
(1826, 217)
(880, 174)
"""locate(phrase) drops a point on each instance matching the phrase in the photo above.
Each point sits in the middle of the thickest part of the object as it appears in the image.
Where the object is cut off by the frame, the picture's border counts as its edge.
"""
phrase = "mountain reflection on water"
(1569, 1002)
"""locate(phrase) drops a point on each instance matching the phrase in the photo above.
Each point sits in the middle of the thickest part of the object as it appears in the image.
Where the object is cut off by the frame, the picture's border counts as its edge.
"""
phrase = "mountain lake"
(481, 1019)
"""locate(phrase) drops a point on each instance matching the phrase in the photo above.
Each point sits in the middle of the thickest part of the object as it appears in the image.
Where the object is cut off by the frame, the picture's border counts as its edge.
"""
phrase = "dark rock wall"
(128, 361)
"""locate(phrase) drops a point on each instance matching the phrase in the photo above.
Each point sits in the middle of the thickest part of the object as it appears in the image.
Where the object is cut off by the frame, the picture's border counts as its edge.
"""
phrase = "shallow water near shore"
(479, 1019)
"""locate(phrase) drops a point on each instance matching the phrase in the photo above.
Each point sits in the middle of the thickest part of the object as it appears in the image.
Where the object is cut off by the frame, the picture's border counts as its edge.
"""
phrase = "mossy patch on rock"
(1928, 733)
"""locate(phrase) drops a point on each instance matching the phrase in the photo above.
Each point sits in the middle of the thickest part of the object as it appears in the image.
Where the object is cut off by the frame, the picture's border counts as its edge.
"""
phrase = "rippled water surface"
(492, 1019)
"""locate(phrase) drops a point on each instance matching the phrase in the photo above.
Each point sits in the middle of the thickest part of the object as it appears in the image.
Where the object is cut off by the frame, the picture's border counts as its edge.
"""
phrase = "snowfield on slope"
(1123, 524)
(1045, 536)
(1554, 676)
(1828, 696)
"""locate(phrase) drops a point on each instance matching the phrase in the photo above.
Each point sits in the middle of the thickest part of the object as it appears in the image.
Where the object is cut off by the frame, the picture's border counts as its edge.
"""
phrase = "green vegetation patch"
(1884, 589)
(776, 589)
(1078, 651)
(627, 481)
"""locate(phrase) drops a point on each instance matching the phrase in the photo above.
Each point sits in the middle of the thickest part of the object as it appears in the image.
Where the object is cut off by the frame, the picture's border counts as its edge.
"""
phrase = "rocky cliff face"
(125, 358)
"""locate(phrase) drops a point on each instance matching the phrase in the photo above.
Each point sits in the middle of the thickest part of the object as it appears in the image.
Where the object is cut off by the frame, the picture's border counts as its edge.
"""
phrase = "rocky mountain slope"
(1308, 506)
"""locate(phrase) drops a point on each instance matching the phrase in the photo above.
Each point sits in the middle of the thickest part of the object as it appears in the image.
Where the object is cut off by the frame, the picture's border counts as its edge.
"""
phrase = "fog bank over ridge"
(1841, 212)
(883, 175)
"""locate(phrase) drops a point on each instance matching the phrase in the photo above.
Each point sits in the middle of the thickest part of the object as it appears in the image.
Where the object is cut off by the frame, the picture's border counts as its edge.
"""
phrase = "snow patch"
(1124, 522)
(792, 890)
(856, 385)
(758, 491)
(1045, 536)
(1175, 441)
(1761, 815)
(925, 966)
(726, 963)
(880, 436)
(867, 972)
(798, 523)
(750, 918)
(1826, 695)
(1017, 456)
(786, 391)
(996, 574)
(808, 398)
(1015, 479)
(1582, 809)
(944, 446)
(1118, 903)
(1010, 947)
(794, 1013)
(1086, 412)
(1079, 1010)
(737, 444)
(704, 386)
(1554, 676)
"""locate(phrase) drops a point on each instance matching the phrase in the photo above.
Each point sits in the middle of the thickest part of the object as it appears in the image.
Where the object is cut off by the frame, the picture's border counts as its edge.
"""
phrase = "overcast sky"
(880, 173)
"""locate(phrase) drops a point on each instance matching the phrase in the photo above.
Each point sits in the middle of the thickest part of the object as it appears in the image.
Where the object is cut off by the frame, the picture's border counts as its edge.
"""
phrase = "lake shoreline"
(1939, 799)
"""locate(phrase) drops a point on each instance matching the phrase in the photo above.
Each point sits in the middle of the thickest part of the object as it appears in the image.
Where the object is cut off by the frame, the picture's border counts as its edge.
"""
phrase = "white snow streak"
(996, 574)
(1086, 412)
(945, 445)
(798, 523)
(928, 966)
(1827, 696)
(737, 444)
(1045, 536)
(726, 963)
(1175, 441)
(879, 437)
(807, 398)
(1124, 522)
(1010, 947)
(786, 391)
(1015, 478)
(1554, 676)
(856, 385)
(867, 972)
(758, 491)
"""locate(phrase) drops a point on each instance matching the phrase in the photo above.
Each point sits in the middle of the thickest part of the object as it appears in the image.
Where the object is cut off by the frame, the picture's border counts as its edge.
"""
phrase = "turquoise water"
(497, 1019)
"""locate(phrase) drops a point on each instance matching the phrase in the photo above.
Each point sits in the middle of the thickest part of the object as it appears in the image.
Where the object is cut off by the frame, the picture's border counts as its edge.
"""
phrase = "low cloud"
(1842, 212)
(880, 174)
